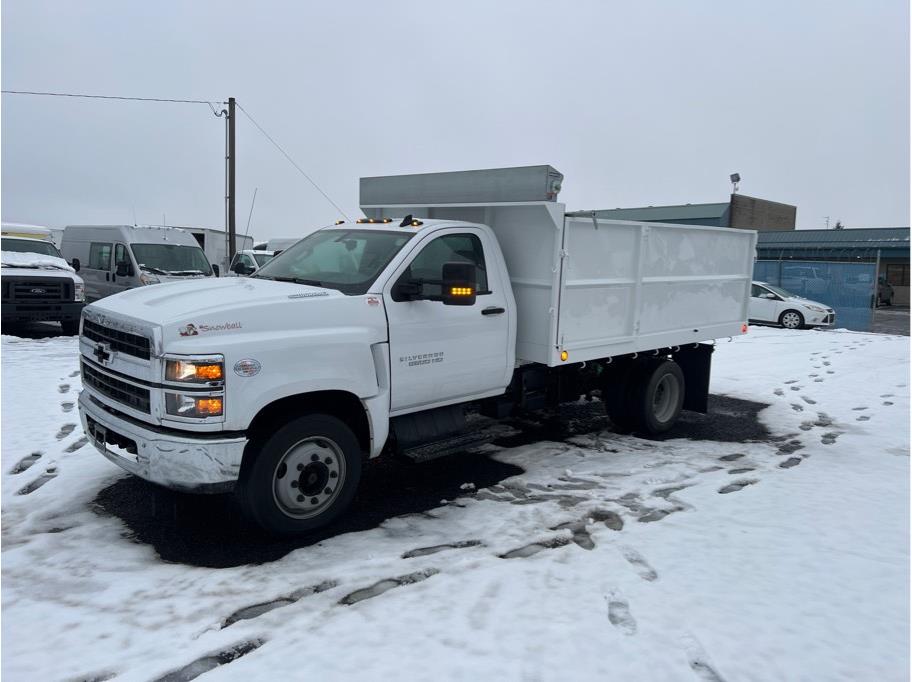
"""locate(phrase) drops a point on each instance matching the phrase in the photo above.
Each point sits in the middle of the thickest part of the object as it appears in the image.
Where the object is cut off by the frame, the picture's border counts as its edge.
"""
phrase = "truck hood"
(209, 301)
(11, 259)
(20, 271)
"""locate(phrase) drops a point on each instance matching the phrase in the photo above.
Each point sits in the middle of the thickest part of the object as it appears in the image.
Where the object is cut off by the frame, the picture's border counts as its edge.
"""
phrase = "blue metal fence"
(848, 288)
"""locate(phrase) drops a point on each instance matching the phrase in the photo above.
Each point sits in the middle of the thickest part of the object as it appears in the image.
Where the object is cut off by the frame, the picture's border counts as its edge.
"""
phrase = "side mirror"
(124, 269)
(241, 268)
(215, 270)
(76, 264)
(770, 296)
(458, 284)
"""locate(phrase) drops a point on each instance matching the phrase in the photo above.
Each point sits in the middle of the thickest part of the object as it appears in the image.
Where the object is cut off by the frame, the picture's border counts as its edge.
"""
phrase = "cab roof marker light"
(340, 222)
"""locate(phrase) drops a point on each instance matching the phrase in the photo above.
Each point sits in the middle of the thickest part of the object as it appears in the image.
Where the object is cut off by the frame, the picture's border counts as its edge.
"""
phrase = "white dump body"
(609, 288)
(627, 287)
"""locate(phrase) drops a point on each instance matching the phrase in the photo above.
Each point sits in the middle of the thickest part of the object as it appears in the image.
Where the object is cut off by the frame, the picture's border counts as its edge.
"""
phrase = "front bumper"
(203, 463)
(815, 319)
(41, 312)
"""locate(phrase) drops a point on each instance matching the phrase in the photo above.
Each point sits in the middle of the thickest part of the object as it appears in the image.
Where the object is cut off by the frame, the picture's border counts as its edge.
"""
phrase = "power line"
(134, 99)
(187, 101)
(292, 161)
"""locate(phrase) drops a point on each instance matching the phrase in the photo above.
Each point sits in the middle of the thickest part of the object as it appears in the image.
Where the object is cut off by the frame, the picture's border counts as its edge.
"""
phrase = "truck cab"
(408, 336)
(248, 261)
(38, 284)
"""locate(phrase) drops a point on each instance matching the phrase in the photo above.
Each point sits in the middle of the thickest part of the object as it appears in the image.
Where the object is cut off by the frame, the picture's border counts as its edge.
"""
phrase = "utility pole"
(231, 160)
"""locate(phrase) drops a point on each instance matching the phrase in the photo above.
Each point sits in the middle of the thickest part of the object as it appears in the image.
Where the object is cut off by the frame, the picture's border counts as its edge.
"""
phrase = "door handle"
(493, 310)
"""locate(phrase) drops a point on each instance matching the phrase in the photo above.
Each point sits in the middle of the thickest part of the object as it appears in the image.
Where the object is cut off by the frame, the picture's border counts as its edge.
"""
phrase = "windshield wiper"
(299, 280)
(154, 271)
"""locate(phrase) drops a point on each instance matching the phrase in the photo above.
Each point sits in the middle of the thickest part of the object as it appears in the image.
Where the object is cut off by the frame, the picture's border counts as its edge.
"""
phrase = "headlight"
(147, 278)
(815, 308)
(193, 406)
(79, 292)
(195, 371)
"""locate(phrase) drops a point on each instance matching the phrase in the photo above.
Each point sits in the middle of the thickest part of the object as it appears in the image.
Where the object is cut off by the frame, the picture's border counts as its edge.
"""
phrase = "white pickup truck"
(461, 299)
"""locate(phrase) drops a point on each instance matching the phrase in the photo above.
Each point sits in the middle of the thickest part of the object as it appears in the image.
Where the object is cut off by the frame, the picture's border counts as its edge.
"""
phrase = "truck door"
(97, 272)
(123, 282)
(444, 353)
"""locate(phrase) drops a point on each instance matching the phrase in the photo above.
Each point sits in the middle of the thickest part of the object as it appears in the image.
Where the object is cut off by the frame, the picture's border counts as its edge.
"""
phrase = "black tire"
(70, 327)
(287, 503)
(658, 397)
(786, 319)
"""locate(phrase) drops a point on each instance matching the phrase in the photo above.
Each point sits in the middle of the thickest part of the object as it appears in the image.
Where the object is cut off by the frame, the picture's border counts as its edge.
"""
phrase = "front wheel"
(303, 476)
(791, 319)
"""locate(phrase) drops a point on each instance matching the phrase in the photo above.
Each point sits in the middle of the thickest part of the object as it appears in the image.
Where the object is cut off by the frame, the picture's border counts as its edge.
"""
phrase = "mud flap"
(695, 362)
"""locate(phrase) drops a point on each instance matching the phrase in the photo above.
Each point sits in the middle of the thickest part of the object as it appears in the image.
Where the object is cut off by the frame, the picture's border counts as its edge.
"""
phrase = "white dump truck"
(460, 299)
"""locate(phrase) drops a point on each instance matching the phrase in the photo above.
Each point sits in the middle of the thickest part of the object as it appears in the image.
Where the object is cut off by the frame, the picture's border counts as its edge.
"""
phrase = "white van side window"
(99, 256)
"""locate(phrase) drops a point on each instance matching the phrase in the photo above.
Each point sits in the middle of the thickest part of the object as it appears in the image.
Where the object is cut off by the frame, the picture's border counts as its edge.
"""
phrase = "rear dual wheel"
(646, 398)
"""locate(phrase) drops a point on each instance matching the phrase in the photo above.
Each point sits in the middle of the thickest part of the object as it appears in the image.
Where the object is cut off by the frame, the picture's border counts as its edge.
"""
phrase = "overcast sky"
(636, 103)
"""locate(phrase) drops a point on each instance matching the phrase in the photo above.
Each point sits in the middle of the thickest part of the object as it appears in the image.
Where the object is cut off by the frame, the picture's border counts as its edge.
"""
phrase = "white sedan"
(771, 305)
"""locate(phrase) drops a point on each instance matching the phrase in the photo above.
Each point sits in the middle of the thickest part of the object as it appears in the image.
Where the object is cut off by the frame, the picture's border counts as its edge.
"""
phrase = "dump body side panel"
(628, 287)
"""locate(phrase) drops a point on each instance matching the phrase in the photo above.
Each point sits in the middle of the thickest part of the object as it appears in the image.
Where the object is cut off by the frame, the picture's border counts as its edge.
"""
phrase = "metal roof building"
(685, 214)
(862, 243)
(888, 247)
(739, 211)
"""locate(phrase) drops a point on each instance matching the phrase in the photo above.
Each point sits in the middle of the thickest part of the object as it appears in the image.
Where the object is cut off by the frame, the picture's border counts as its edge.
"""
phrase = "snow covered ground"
(611, 557)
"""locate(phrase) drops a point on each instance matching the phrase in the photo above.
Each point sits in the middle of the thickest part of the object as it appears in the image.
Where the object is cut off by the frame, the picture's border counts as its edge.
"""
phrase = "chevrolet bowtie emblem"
(102, 353)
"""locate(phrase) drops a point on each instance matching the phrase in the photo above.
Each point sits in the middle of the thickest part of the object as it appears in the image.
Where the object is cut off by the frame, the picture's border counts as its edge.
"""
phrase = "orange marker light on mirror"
(460, 291)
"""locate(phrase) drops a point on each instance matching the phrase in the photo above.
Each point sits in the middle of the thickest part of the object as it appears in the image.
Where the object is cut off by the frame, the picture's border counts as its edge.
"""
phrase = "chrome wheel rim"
(791, 320)
(308, 477)
(665, 398)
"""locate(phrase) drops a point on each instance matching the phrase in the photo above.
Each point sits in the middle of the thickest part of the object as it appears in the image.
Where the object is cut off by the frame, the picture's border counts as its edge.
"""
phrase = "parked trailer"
(215, 245)
(461, 299)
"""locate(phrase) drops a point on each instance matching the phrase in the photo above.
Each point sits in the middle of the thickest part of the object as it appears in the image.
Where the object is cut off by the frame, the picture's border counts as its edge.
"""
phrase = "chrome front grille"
(123, 392)
(124, 342)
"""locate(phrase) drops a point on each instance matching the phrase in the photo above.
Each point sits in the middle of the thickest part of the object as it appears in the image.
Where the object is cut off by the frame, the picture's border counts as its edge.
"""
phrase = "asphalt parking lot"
(891, 320)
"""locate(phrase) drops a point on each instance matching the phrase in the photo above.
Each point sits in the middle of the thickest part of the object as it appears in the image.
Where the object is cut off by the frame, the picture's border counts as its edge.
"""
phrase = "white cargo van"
(38, 284)
(115, 258)
(461, 299)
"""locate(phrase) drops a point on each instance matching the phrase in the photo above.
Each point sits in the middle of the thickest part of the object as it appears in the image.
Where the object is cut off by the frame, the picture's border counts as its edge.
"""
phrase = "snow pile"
(610, 557)
(33, 260)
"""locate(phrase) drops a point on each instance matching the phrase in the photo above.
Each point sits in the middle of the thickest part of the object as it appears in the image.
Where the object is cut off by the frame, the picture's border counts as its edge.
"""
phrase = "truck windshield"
(29, 246)
(171, 259)
(346, 260)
